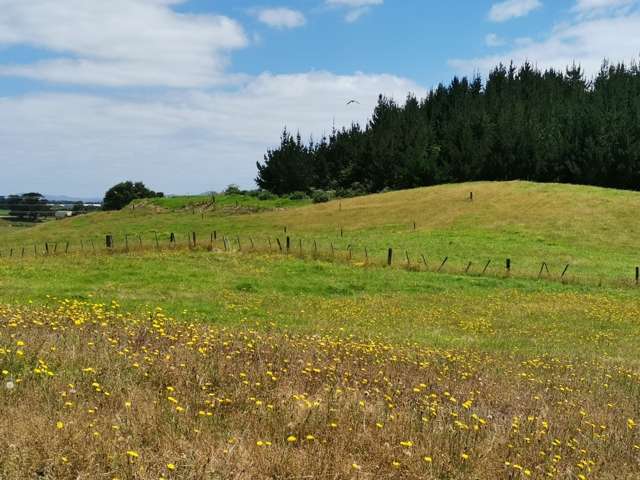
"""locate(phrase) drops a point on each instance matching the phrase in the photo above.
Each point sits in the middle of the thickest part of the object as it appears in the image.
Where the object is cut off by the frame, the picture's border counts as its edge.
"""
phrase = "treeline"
(28, 206)
(522, 123)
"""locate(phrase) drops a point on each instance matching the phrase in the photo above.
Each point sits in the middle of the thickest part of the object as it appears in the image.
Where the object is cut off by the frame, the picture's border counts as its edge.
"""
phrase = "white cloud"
(493, 40)
(585, 6)
(584, 41)
(355, 8)
(120, 42)
(503, 11)
(185, 141)
(281, 17)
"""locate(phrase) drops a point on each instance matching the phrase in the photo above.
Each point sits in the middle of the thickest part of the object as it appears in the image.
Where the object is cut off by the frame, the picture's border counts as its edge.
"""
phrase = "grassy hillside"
(593, 229)
(187, 363)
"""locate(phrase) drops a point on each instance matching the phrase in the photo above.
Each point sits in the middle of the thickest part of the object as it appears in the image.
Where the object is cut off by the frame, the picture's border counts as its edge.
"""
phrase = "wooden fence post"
(508, 265)
(443, 263)
(389, 257)
(485, 267)
(637, 275)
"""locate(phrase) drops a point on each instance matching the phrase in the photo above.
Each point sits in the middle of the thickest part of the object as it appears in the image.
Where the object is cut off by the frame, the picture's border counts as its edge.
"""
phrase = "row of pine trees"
(522, 123)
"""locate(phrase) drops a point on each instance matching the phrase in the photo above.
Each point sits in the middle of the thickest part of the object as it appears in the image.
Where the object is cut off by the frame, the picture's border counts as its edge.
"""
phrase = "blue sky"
(187, 95)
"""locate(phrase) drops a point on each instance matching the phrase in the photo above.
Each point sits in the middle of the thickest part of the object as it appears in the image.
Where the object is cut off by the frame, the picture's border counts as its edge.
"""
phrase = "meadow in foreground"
(89, 391)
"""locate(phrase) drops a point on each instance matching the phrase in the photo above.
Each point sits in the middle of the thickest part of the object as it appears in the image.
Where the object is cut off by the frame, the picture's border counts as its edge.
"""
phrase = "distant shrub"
(298, 196)
(233, 189)
(355, 190)
(266, 195)
(320, 196)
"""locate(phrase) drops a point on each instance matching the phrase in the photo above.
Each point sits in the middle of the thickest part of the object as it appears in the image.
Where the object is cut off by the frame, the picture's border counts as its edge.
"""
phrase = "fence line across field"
(215, 242)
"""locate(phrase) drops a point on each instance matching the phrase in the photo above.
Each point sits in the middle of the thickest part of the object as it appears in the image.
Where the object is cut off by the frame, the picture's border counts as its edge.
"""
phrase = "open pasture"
(190, 363)
(593, 230)
(147, 397)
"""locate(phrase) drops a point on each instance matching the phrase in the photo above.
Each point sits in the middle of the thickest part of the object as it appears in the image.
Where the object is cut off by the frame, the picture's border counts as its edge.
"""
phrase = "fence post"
(389, 257)
(508, 266)
(288, 244)
(193, 235)
(637, 275)
(486, 266)
(443, 263)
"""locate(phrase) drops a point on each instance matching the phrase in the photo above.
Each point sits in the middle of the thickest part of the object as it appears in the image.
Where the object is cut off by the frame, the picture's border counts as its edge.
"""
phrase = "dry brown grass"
(88, 392)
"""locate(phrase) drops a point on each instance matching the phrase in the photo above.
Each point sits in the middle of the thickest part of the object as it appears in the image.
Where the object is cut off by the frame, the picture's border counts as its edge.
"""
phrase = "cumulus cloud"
(586, 41)
(120, 42)
(355, 8)
(503, 11)
(281, 17)
(180, 142)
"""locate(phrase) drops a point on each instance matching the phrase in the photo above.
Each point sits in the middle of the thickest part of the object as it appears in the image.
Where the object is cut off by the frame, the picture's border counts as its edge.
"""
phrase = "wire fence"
(313, 249)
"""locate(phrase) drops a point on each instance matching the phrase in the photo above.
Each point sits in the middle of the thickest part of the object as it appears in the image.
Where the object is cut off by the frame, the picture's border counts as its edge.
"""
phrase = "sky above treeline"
(186, 95)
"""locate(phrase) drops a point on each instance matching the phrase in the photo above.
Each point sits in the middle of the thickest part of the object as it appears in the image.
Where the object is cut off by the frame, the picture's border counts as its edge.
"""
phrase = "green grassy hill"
(326, 365)
(592, 229)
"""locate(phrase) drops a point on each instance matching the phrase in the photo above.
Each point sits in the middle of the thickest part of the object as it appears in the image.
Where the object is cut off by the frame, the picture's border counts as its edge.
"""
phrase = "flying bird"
(353, 101)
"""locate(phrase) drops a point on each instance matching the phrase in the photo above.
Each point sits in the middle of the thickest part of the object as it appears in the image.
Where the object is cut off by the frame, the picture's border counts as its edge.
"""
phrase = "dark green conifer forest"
(521, 123)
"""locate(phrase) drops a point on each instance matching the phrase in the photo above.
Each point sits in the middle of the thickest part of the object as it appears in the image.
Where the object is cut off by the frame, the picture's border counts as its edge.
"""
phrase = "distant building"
(60, 214)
